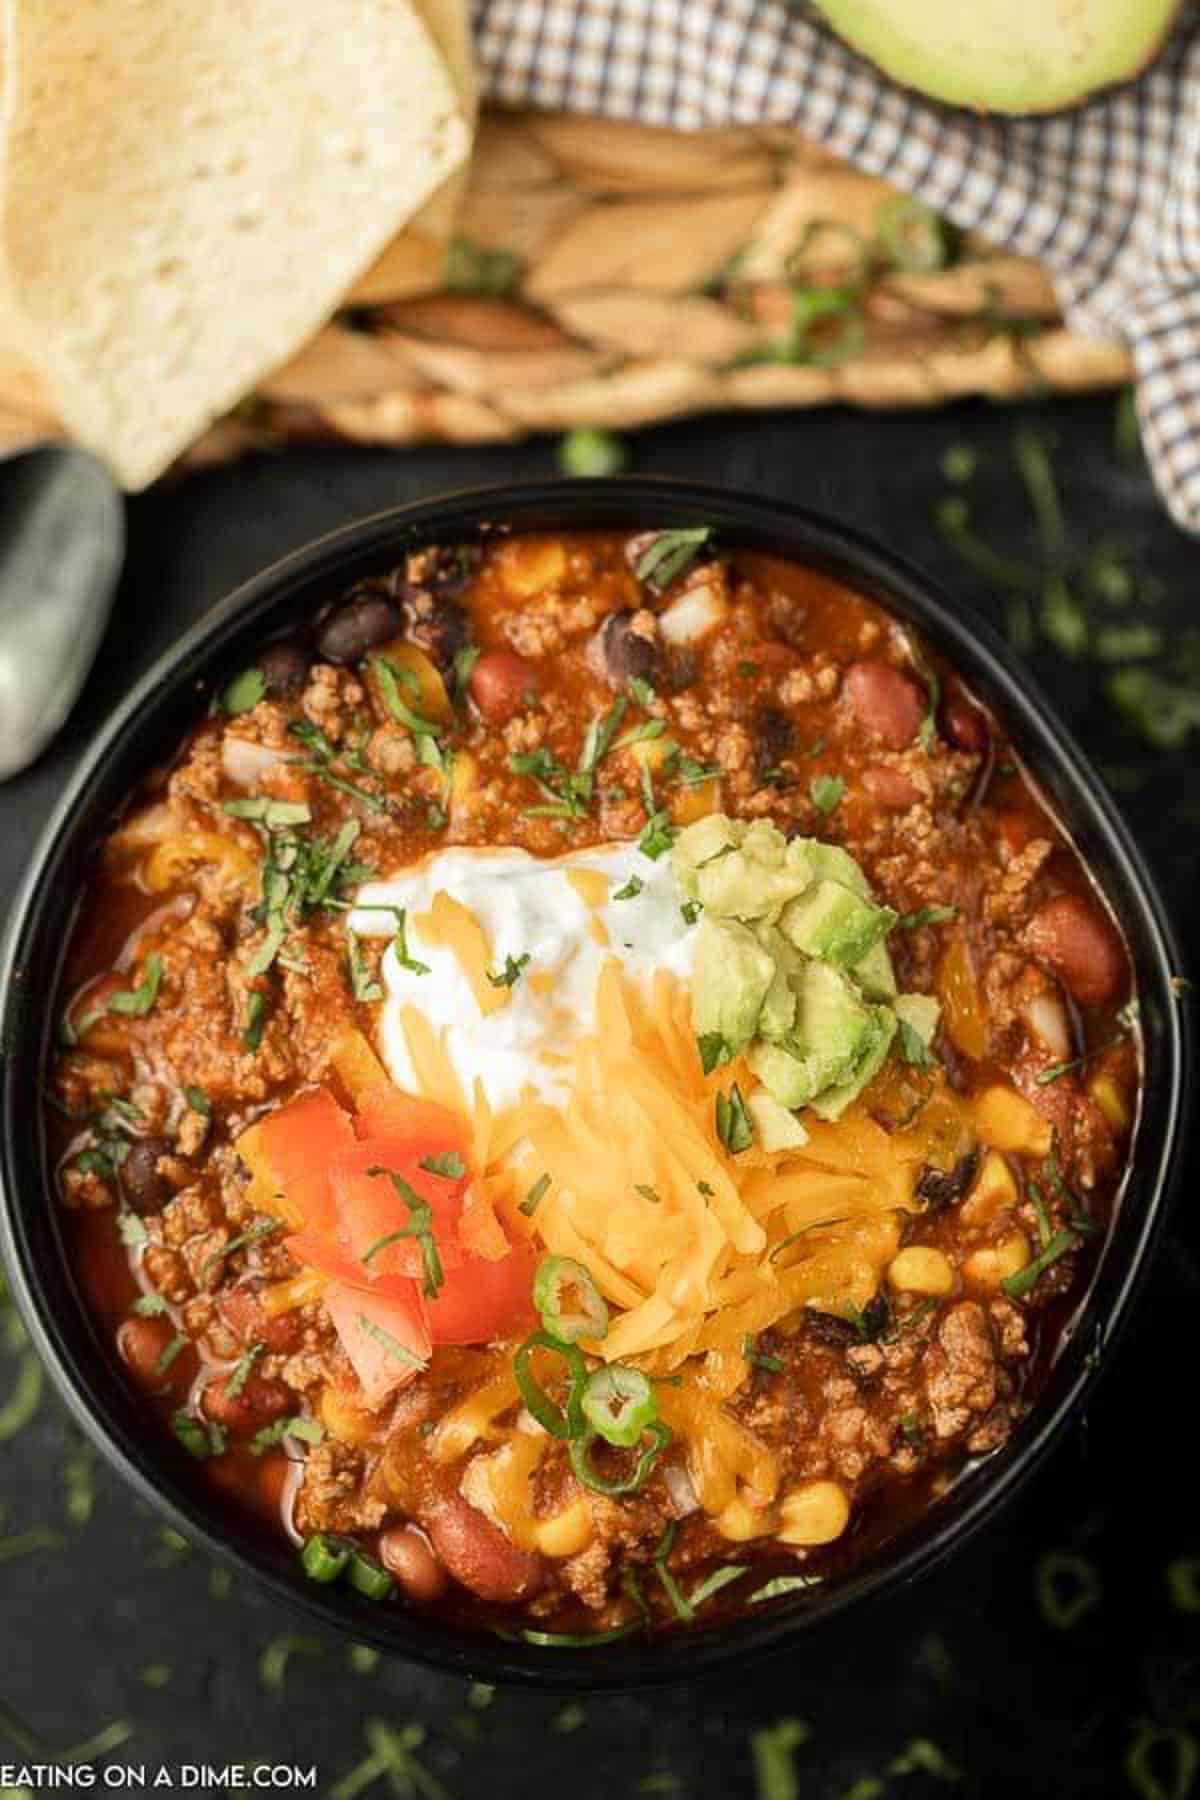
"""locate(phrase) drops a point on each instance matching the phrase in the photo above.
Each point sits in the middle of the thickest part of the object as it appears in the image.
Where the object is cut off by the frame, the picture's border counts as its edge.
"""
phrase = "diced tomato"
(386, 1111)
(482, 1300)
(328, 1257)
(386, 1340)
(371, 1207)
(297, 1143)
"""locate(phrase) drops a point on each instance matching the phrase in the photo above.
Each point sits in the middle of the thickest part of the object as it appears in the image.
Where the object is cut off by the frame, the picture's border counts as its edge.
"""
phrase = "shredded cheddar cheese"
(452, 926)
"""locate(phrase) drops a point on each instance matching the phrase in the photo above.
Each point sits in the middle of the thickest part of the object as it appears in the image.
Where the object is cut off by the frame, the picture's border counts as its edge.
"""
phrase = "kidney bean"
(890, 788)
(260, 1401)
(140, 1344)
(243, 1312)
(145, 1189)
(965, 725)
(625, 653)
(478, 1554)
(283, 665)
(887, 703)
(405, 1553)
(1072, 938)
(356, 627)
(499, 683)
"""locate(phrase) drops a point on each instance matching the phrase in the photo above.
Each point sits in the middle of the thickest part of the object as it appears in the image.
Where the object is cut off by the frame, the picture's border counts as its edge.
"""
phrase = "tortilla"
(414, 261)
(189, 187)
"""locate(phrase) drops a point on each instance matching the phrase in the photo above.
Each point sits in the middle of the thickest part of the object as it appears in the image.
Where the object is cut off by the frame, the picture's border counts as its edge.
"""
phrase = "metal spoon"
(62, 539)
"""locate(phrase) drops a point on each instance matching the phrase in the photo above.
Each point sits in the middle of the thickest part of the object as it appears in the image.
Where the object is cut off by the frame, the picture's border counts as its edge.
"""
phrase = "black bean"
(357, 626)
(626, 653)
(446, 569)
(438, 624)
(829, 1329)
(940, 1188)
(283, 665)
(145, 1190)
(678, 670)
(772, 739)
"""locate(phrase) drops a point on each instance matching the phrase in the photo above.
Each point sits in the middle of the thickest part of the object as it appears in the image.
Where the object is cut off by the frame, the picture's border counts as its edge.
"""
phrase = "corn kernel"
(285, 1296)
(740, 1522)
(989, 1267)
(1007, 1121)
(691, 803)
(993, 1191)
(921, 1270)
(567, 1532)
(529, 566)
(1110, 1097)
(815, 1513)
(343, 1419)
(464, 778)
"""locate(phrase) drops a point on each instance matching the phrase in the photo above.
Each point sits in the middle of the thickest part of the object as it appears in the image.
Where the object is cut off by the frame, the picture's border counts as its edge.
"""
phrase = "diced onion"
(246, 762)
(1047, 1020)
(697, 611)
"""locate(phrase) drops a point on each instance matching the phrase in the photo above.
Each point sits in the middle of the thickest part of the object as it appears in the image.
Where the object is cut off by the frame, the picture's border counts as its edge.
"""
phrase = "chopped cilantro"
(449, 1165)
(256, 1019)
(826, 791)
(535, 1196)
(136, 1002)
(631, 890)
(420, 1227)
(201, 1438)
(511, 972)
(926, 915)
(735, 1128)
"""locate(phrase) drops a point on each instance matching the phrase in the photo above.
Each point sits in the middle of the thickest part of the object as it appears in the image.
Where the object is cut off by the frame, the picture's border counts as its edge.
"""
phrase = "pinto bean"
(284, 665)
(1072, 938)
(260, 1401)
(887, 703)
(890, 788)
(478, 1554)
(357, 626)
(965, 725)
(242, 1311)
(144, 1188)
(405, 1553)
(140, 1344)
(499, 683)
(626, 653)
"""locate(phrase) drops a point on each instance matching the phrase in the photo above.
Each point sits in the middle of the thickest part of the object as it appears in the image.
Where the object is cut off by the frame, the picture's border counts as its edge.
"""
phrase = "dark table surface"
(1059, 1655)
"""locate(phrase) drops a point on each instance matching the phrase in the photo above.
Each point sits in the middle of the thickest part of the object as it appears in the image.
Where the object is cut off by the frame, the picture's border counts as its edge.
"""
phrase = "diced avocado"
(825, 1044)
(992, 56)
(921, 1011)
(832, 1101)
(831, 922)
(714, 835)
(775, 1128)
(737, 886)
(730, 978)
(778, 1013)
(874, 973)
(829, 862)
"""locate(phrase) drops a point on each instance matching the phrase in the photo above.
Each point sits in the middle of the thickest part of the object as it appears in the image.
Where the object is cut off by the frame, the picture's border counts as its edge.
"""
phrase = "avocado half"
(1005, 56)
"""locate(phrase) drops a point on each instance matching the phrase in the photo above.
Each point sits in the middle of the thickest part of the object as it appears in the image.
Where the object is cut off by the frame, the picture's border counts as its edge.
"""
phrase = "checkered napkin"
(1107, 197)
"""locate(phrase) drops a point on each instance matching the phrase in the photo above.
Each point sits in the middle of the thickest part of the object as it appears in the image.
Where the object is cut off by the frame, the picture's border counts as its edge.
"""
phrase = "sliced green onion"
(366, 1576)
(244, 692)
(619, 1403)
(1025, 1280)
(136, 1002)
(579, 1451)
(325, 1556)
(586, 451)
(567, 1640)
(779, 1585)
(554, 1419)
(712, 1584)
(680, 1605)
(571, 1305)
(914, 238)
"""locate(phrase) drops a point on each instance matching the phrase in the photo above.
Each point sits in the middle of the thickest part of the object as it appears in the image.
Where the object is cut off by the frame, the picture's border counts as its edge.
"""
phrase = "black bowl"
(148, 726)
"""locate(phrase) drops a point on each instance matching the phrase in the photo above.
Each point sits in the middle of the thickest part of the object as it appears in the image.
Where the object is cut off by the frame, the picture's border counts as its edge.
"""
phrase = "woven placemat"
(615, 275)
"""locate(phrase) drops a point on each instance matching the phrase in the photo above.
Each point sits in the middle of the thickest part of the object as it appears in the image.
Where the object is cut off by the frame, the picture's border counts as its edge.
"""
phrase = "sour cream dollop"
(527, 906)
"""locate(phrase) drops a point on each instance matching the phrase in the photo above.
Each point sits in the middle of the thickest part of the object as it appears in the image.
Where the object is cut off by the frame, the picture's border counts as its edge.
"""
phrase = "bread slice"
(189, 187)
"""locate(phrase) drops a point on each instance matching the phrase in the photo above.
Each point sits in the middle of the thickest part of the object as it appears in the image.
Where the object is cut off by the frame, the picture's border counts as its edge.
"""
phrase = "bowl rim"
(195, 663)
